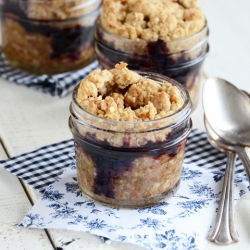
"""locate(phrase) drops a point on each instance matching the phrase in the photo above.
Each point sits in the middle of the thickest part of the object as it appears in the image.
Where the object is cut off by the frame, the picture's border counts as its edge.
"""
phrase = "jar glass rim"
(167, 144)
(95, 11)
(204, 31)
(86, 3)
(184, 111)
(157, 56)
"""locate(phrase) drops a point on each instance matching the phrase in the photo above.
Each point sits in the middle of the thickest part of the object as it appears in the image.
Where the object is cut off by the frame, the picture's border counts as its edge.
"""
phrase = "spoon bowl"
(224, 146)
(228, 111)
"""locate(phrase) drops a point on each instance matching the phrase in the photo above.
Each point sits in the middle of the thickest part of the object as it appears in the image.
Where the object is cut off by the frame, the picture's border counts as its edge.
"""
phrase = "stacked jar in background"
(166, 37)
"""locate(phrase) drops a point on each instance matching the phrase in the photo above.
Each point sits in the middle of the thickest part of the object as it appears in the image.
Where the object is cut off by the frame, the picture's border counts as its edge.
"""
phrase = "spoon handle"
(224, 231)
(244, 159)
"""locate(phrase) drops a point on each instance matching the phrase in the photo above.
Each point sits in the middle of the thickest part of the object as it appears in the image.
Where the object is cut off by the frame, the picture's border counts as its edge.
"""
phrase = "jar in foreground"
(171, 39)
(130, 164)
(48, 37)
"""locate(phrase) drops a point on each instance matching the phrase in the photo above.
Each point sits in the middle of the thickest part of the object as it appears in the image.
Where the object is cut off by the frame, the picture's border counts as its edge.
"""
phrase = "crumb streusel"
(121, 94)
(150, 20)
(55, 9)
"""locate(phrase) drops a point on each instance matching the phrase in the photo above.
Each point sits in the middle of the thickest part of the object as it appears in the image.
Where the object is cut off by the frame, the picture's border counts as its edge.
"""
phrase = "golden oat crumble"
(17, 43)
(149, 176)
(58, 9)
(141, 93)
(150, 20)
(121, 94)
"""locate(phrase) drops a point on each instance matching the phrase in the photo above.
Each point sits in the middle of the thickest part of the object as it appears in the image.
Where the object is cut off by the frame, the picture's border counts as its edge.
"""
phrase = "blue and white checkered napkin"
(40, 168)
(181, 222)
(55, 85)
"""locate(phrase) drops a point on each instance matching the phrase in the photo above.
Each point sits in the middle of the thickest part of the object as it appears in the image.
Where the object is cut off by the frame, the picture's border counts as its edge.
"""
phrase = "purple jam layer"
(180, 69)
(67, 40)
(111, 163)
(15, 7)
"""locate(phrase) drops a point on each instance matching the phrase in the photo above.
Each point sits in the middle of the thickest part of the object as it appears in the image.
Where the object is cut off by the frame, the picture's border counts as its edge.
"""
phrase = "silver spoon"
(223, 231)
(246, 93)
(227, 110)
(226, 146)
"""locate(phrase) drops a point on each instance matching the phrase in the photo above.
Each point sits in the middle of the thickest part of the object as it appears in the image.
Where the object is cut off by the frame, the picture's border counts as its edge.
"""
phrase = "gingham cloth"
(55, 85)
(41, 167)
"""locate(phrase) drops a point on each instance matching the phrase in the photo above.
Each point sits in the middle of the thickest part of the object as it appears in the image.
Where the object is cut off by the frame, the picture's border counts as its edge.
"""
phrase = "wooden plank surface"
(13, 207)
(228, 22)
(30, 119)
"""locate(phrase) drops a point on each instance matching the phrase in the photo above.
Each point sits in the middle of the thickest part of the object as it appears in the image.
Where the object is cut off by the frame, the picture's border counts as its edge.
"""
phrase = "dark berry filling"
(157, 47)
(67, 41)
(15, 7)
(157, 60)
(111, 163)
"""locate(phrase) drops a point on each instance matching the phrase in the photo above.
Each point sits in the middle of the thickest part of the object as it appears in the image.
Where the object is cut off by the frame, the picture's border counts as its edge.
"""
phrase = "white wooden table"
(30, 120)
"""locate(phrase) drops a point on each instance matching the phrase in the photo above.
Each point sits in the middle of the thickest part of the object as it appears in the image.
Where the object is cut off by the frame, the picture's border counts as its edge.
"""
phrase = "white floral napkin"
(181, 222)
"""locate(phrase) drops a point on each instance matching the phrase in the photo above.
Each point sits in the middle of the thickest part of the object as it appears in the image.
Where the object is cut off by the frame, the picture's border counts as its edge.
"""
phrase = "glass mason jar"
(180, 60)
(48, 37)
(130, 164)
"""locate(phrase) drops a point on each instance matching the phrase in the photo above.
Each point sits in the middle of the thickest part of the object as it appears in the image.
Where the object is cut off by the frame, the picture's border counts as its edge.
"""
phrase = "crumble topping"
(121, 94)
(150, 20)
(58, 9)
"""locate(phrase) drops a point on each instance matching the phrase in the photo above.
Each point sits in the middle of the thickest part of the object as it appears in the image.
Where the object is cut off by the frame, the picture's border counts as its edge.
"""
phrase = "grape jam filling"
(64, 41)
(111, 163)
(157, 60)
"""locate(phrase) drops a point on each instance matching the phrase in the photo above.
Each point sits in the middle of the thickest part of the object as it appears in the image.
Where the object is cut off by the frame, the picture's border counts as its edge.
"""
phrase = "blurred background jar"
(172, 39)
(48, 37)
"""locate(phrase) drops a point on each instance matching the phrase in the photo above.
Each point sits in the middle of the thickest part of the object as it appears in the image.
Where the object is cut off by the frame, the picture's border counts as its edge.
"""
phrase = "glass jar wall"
(48, 37)
(130, 164)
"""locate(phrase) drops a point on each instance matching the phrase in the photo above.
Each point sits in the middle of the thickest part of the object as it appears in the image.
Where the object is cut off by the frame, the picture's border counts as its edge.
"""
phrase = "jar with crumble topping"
(48, 37)
(126, 163)
(165, 37)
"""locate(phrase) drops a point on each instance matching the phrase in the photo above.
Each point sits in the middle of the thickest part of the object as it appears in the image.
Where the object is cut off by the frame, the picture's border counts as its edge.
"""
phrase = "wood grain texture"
(30, 119)
(14, 204)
